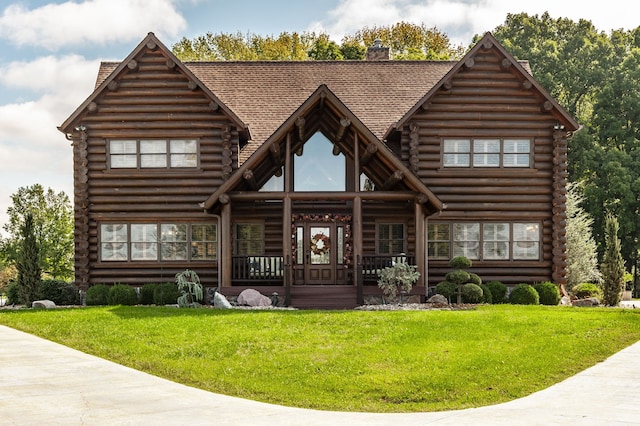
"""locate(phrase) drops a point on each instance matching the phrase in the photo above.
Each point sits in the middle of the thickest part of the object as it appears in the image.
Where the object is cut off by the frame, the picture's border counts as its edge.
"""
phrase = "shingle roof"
(264, 94)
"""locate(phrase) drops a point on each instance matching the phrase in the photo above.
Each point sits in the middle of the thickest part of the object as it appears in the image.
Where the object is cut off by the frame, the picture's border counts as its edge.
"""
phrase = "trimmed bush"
(475, 278)
(498, 291)
(548, 293)
(166, 294)
(59, 292)
(97, 294)
(471, 293)
(487, 297)
(447, 289)
(146, 294)
(122, 294)
(460, 262)
(524, 294)
(458, 276)
(586, 290)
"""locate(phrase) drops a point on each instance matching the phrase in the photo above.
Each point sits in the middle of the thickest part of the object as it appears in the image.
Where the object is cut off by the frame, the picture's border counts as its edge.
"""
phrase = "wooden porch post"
(420, 244)
(227, 250)
(287, 210)
(357, 245)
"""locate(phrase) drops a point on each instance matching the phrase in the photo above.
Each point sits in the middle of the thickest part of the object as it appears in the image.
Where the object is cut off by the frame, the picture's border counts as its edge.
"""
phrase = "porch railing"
(258, 269)
(372, 265)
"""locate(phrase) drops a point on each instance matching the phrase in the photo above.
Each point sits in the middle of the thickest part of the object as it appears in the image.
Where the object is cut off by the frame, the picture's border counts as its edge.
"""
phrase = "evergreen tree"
(612, 264)
(29, 270)
(582, 256)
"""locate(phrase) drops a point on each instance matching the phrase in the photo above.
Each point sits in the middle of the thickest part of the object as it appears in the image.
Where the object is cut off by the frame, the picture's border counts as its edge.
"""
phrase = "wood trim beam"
(320, 196)
(393, 180)
(369, 152)
(227, 250)
(300, 122)
(344, 123)
(249, 177)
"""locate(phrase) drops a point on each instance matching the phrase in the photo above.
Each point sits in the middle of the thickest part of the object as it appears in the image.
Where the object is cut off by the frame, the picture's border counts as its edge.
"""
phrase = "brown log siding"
(488, 101)
(150, 102)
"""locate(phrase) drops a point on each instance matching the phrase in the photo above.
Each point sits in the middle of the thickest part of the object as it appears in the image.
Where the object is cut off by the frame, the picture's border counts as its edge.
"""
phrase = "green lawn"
(384, 361)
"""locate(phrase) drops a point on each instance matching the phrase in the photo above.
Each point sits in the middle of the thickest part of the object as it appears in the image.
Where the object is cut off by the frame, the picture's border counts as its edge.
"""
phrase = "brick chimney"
(377, 52)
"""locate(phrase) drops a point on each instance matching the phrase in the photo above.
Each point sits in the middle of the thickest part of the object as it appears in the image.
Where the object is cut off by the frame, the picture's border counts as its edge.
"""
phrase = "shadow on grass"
(137, 312)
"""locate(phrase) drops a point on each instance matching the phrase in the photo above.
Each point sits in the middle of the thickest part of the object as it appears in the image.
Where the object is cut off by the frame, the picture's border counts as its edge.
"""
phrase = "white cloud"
(462, 19)
(54, 26)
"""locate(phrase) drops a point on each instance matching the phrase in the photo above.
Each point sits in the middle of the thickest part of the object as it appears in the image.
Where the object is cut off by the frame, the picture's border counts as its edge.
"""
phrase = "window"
(390, 238)
(439, 240)
(486, 153)
(204, 242)
(249, 239)
(174, 241)
(153, 154)
(466, 240)
(526, 241)
(153, 242)
(114, 238)
(484, 241)
(495, 241)
(456, 153)
(317, 169)
(144, 242)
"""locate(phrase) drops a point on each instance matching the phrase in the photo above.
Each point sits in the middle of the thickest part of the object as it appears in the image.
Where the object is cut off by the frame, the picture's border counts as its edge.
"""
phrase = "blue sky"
(50, 51)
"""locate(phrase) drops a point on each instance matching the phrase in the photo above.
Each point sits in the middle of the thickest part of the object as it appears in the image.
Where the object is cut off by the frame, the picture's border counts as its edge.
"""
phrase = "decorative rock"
(438, 299)
(43, 304)
(219, 301)
(251, 297)
(565, 301)
(591, 301)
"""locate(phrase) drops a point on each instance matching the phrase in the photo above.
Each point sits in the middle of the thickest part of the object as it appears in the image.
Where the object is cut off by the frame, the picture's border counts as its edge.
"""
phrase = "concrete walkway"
(44, 383)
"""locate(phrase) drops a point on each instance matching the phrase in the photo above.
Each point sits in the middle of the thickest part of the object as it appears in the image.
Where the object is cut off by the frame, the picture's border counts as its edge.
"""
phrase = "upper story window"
(486, 153)
(153, 154)
(317, 169)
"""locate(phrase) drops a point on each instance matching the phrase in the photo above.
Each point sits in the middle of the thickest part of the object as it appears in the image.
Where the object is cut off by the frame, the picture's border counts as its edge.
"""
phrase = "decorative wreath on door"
(320, 244)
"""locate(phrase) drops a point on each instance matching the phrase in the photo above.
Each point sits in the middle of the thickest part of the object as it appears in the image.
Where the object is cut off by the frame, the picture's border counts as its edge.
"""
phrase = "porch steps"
(324, 297)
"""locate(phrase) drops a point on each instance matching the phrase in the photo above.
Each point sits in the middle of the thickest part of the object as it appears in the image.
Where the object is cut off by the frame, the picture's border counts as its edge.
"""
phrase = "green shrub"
(548, 293)
(122, 294)
(447, 289)
(487, 297)
(471, 293)
(586, 290)
(458, 276)
(13, 297)
(460, 262)
(524, 294)
(166, 294)
(146, 294)
(97, 294)
(395, 279)
(498, 291)
(59, 292)
(475, 278)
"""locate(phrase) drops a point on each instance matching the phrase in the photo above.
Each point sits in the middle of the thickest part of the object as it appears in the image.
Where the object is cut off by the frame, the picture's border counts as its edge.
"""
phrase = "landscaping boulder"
(43, 304)
(591, 301)
(219, 301)
(251, 297)
(565, 301)
(438, 299)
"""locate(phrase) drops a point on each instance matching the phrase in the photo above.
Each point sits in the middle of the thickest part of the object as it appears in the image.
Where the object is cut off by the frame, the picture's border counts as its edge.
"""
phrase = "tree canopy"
(52, 218)
(406, 42)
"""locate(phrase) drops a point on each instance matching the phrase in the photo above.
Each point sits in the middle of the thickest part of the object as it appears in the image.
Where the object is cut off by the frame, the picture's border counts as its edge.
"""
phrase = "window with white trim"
(157, 241)
(505, 153)
(153, 154)
(484, 241)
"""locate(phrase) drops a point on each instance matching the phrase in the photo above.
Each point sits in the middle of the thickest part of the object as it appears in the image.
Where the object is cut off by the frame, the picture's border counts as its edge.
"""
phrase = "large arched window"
(317, 169)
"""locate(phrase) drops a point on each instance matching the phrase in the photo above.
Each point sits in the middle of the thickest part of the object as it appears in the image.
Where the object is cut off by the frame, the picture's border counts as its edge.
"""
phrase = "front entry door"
(319, 253)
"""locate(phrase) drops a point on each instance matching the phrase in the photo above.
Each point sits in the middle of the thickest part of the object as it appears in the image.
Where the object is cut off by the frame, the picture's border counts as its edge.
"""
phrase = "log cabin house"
(307, 178)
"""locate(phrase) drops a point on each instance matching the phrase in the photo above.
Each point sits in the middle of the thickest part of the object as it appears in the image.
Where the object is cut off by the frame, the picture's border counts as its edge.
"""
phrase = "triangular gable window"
(317, 169)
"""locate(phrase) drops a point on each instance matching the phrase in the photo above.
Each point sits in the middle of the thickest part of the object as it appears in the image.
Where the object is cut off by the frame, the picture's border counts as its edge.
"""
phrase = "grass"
(384, 361)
